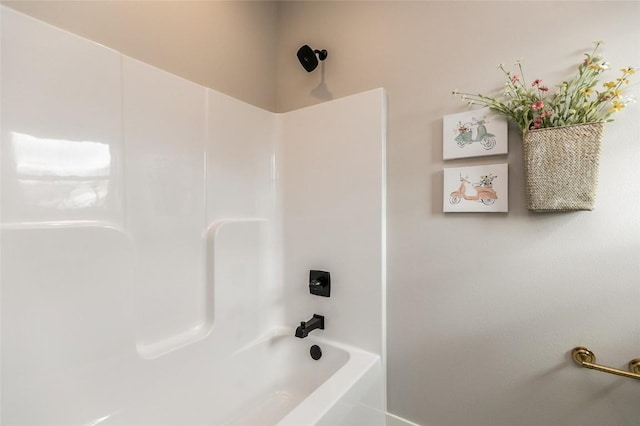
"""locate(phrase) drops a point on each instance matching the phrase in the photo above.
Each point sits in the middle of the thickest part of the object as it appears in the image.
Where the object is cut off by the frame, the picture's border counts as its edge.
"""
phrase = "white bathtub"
(273, 381)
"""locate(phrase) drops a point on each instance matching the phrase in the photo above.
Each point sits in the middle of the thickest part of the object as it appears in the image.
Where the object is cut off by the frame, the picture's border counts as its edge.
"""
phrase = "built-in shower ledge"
(172, 343)
(62, 224)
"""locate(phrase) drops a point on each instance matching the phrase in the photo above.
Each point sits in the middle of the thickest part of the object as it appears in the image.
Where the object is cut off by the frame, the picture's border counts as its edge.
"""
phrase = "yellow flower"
(623, 80)
(610, 84)
(617, 106)
(616, 93)
(628, 70)
(586, 92)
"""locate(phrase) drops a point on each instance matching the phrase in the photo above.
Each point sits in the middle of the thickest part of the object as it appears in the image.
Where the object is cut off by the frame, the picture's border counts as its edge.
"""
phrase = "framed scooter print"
(476, 189)
(474, 133)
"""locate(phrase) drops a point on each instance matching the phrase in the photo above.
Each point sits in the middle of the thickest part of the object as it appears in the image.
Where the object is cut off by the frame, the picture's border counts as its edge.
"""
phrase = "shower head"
(307, 57)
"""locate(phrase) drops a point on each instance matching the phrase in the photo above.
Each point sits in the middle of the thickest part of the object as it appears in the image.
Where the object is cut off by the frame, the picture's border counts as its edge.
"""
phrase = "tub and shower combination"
(157, 238)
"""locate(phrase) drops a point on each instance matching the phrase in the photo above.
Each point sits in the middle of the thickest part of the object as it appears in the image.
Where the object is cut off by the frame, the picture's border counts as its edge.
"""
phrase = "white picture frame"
(476, 189)
(474, 133)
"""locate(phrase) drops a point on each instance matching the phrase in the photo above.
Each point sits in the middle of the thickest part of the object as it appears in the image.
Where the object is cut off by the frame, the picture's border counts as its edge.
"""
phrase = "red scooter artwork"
(484, 191)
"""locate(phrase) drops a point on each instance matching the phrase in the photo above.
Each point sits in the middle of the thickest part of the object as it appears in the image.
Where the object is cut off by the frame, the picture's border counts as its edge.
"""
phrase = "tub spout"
(306, 327)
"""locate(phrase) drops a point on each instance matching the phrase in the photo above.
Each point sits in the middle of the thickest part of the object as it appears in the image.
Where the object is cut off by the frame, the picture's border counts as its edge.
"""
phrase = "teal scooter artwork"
(465, 134)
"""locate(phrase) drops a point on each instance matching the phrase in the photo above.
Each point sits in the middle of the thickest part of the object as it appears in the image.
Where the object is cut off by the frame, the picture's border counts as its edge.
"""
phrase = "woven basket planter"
(561, 167)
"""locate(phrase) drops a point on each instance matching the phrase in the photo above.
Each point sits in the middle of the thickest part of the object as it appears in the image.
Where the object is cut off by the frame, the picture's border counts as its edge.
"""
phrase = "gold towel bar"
(587, 359)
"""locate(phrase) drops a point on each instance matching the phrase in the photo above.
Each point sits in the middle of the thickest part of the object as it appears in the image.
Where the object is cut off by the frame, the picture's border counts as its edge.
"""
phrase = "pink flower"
(537, 105)
(536, 82)
(515, 78)
(536, 124)
(543, 88)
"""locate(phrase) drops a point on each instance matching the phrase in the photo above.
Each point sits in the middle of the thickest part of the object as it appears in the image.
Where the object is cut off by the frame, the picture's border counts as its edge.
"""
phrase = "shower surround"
(156, 242)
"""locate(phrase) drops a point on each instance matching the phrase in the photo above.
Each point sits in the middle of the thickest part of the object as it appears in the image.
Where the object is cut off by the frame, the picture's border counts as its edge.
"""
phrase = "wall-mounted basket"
(562, 166)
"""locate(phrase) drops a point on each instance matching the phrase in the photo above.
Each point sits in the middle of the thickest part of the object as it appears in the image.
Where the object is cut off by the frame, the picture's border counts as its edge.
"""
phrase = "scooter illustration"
(465, 134)
(484, 191)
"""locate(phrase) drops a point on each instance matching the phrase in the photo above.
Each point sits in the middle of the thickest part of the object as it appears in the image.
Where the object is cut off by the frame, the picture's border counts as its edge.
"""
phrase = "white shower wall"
(165, 134)
(333, 166)
(147, 219)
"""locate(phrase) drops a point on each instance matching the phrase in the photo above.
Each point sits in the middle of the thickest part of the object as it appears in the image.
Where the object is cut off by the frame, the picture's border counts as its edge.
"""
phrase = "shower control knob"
(320, 283)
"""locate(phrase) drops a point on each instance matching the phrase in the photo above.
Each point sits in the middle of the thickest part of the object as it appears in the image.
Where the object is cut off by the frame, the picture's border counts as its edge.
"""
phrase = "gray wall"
(226, 45)
(482, 309)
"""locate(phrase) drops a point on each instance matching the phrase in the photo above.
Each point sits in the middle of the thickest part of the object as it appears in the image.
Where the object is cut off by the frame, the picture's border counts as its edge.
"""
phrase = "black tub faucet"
(306, 327)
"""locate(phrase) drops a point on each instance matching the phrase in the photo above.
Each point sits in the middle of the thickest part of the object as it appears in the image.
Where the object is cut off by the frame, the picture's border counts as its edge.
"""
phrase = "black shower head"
(307, 57)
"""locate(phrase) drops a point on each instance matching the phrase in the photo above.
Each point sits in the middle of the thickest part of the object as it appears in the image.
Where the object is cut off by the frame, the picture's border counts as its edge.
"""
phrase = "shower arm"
(587, 359)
